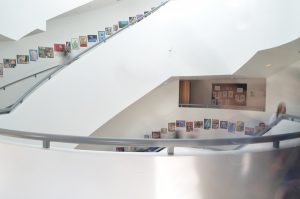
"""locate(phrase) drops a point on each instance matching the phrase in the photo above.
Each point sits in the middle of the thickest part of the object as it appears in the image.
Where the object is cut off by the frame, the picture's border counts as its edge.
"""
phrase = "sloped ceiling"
(20, 18)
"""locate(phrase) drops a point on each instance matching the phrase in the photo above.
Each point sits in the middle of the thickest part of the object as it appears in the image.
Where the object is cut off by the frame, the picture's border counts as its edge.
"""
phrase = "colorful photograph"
(132, 20)
(59, 47)
(123, 24)
(189, 127)
(215, 124)
(33, 55)
(83, 41)
(101, 36)
(9, 63)
(249, 131)
(163, 130)
(74, 43)
(231, 127)
(41, 52)
(22, 59)
(180, 123)
(139, 17)
(239, 126)
(108, 30)
(68, 47)
(207, 124)
(198, 124)
(223, 124)
(171, 127)
(92, 38)
(1, 69)
(115, 27)
(49, 52)
(156, 134)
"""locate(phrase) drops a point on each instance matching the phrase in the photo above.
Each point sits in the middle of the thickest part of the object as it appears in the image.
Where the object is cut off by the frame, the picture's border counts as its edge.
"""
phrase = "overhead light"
(268, 65)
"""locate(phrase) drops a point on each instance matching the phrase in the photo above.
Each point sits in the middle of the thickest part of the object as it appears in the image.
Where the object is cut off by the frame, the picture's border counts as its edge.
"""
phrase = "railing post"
(46, 144)
(276, 144)
(170, 150)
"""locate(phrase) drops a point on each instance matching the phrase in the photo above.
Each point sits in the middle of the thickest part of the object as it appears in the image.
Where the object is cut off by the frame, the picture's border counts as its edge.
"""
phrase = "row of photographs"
(74, 44)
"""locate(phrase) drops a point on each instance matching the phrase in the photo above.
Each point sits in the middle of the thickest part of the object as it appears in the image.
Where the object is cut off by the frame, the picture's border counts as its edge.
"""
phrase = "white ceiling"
(20, 18)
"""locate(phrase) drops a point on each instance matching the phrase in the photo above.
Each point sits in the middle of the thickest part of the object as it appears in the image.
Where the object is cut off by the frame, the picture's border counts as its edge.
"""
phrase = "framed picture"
(74, 43)
(108, 30)
(249, 131)
(139, 17)
(49, 52)
(68, 47)
(223, 124)
(189, 126)
(101, 36)
(1, 69)
(132, 20)
(231, 127)
(180, 123)
(9, 63)
(22, 59)
(59, 47)
(239, 126)
(41, 51)
(83, 41)
(171, 127)
(92, 38)
(198, 124)
(156, 135)
(207, 124)
(123, 24)
(215, 124)
(163, 130)
(115, 27)
(33, 55)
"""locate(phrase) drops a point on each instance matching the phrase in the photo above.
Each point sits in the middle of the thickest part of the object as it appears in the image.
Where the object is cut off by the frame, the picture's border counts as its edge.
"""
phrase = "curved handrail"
(59, 67)
(171, 143)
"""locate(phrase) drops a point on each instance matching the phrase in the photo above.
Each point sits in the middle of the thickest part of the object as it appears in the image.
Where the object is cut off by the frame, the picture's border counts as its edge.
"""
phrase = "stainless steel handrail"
(59, 67)
(171, 143)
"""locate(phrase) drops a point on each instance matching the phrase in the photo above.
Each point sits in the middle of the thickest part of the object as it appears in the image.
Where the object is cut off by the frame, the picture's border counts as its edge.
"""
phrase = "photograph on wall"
(249, 131)
(115, 27)
(101, 35)
(123, 24)
(92, 38)
(231, 127)
(74, 43)
(132, 20)
(22, 59)
(33, 55)
(68, 47)
(120, 149)
(139, 17)
(83, 41)
(215, 124)
(229, 94)
(41, 52)
(198, 124)
(239, 126)
(163, 130)
(1, 69)
(189, 126)
(180, 123)
(223, 124)
(156, 135)
(59, 47)
(9, 63)
(108, 30)
(207, 124)
(49, 52)
(171, 127)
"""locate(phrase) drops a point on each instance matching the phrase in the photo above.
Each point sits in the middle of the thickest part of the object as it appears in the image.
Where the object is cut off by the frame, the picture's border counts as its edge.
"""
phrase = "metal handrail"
(171, 143)
(59, 67)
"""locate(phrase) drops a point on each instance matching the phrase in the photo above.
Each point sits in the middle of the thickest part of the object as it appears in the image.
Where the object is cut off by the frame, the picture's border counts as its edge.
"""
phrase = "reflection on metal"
(171, 143)
(59, 67)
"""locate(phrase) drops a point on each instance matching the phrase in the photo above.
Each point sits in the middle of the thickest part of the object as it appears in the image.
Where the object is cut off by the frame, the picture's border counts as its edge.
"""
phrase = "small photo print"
(49, 52)
(249, 131)
(9, 63)
(215, 124)
(230, 94)
(74, 43)
(68, 47)
(163, 130)
(22, 59)
(92, 38)
(42, 53)
(120, 149)
(156, 134)
(180, 123)
(171, 127)
(33, 55)
(1, 69)
(189, 127)
(198, 124)
(132, 20)
(59, 47)
(231, 127)
(108, 30)
(239, 126)
(123, 24)
(115, 27)
(223, 124)
(83, 41)
(101, 35)
(207, 124)
(139, 17)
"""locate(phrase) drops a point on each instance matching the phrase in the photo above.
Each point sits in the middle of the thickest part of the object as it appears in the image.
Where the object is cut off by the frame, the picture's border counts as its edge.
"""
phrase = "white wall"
(185, 37)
